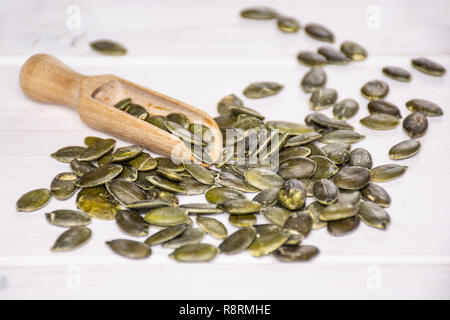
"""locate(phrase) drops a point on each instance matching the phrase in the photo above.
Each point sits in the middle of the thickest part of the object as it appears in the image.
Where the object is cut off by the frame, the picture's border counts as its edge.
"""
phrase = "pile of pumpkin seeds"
(304, 176)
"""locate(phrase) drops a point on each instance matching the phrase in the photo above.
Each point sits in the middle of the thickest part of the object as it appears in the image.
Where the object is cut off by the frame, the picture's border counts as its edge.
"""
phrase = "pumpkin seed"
(269, 237)
(373, 215)
(311, 58)
(201, 208)
(72, 239)
(193, 187)
(338, 211)
(123, 104)
(80, 168)
(297, 168)
(344, 136)
(99, 191)
(129, 173)
(263, 178)
(189, 236)
(326, 122)
(200, 173)
(63, 185)
(165, 235)
(298, 226)
(293, 152)
(67, 154)
(179, 118)
(158, 121)
(343, 227)
(415, 125)
(288, 24)
(157, 194)
(137, 111)
(428, 108)
(91, 140)
(352, 178)
(244, 110)
(349, 196)
(291, 128)
(353, 50)
(387, 172)
(68, 218)
(302, 139)
(315, 149)
(290, 253)
(339, 156)
(219, 195)
(397, 73)
(314, 209)
(125, 192)
(33, 200)
(319, 32)
(380, 121)
(183, 133)
(97, 150)
(131, 223)
(130, 249)
(325, 168)
(258, 90)
(148, 204)
(200, 252)
(345, 109)
(404, 149)
(213, 227)
(376, 194)
(238, 241)
(98, 207)
(333, 55)
(325, 191)
(242, 220)
(323, 98)
(200, 130)
(225, 102)
(230, 180)
(267, 197)
(126, 153)
(314, 79)
(384, 107)
(360, 157)
(336, 146)
(166, 216)
(108, 47)
(240, 206)
(142, 181)
(171, 175)
(259, 13)
(166, 184)
(276, 215)
(292, 194)
(428, 66)
(375, 89)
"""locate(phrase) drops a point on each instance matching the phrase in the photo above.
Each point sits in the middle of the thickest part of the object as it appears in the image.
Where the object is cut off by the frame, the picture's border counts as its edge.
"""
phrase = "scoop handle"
(46, 79)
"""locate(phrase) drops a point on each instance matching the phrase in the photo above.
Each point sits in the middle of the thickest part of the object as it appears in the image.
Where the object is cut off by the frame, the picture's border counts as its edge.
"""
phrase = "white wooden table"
(199, 51)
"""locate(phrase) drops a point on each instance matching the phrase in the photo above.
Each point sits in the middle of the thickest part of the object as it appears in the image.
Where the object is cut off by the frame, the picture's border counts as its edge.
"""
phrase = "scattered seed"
(311, 58)
(404, 149)
(259, 13)
(200, 252)
(384, 107)
(428, 66)
(375, 89)
(319, 32)
(353, 50)
(415, 125)
(258, 90)
(380, 121)
(33, 200)
(313, 80)
(345, 109)
(387, 172)
(397, 73)
(376, 194)
(108, 47)
(68, 218)
(373, 215)
(428, 108)
(130, 249)
(213, 227)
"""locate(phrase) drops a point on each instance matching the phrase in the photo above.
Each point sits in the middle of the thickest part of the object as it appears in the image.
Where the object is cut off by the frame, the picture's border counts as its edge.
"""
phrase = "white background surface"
(198, 52)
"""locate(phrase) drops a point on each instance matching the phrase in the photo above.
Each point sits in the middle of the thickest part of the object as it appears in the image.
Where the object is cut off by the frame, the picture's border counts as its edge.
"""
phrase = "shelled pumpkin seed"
(397, 73)
(428, 66)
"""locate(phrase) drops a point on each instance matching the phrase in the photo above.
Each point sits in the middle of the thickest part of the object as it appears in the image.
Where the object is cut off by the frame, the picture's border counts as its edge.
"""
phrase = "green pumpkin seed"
(72, 239)
(297, 168)
(360, 157)
(68, 218)
(90, 140)
(80, 168)
(200, 252)
(137, 111)
(129, 173)
(315, 149)
(404, 149)
(314, 209)
(333, 55)
(67, 154)
(97, 150)
(269, 237)
(323, 98)
(238, 241)
(345, 109)
(291, 128)
(349, 196)
(397, 73)
(343, 227)
(148, 204)
(258, 90)
(193, 187)
(33, 200)
(130, 249)
(267, 197)
(63, 185)
(99, 191)
(325, 168)
(189, 236)
(380, 121)
(326, 122)
(108, 47)
(158, 121)
(292, 194)
(375, 89)
(244, 110)
(263, 178)
(387, 172)
(325, 191)
(100, 175)
(240, 206)
(276, 215)
(352, 178)
(298, 226)
(373, 215)
(165, 235)
(225, 102)
(219, 195)
(98, 207)
(428, 108)
(338, 211)
(131, 223)
(353, 51)
(314, 79)
(290, 253)
(288, 24)
(428, 66)
(171, 175)
(157, 194)
(293, 152)
(311, 58)
(230, 180)
(213, 227)
(242, 220)
(126, 153)
(383, 107)
(166, 184)
(123, 104)
(143, 162)
(319, 32)
(376, 194)
(259, 13)
(302, 139)
(415, 125)
(179, 119)
(336, 146)
(339, 156)
(166, 216)
(201, 208)
(344, 136)
(183, 133)
(200, 173)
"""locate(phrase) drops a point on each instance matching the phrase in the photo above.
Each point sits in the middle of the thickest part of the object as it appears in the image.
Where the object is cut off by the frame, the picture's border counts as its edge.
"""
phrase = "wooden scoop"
(46, 79)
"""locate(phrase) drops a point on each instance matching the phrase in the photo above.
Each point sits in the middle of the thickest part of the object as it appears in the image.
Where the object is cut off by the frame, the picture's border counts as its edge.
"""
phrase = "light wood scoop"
(46, 79)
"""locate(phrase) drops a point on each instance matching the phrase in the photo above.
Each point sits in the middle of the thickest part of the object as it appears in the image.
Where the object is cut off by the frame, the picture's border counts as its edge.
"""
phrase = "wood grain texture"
(199, 53)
